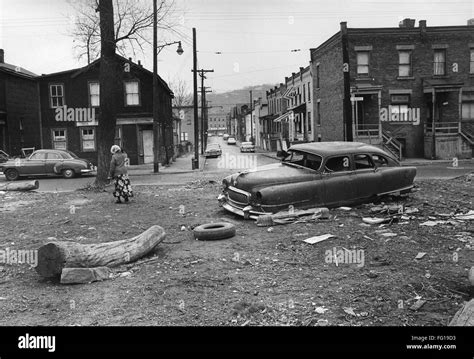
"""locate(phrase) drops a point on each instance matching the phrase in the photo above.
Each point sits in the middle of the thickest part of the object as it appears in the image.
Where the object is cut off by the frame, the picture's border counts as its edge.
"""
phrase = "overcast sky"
(254, 37)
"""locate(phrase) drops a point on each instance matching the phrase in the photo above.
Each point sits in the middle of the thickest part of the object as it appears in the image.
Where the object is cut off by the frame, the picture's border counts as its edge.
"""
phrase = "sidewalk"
(182, 164)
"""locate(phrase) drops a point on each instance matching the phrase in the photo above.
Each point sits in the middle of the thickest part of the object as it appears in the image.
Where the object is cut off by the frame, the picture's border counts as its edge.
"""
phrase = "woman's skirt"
(123, 187)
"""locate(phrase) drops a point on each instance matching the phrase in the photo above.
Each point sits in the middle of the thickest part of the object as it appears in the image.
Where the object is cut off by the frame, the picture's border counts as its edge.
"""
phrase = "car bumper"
(247, 212)
(87, 171)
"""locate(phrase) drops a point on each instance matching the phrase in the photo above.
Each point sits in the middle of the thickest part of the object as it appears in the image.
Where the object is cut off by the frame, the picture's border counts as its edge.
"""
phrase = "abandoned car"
(329, 174)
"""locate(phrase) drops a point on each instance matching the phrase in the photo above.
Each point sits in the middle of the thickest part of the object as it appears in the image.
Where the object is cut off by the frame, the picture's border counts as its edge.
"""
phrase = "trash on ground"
(420, 255)
(418, 304)
(345, 208)
(466, 216)
(376, 220)
(432, 223)
(388, 234)
(321, 310)
(349, 311)
(316, 239)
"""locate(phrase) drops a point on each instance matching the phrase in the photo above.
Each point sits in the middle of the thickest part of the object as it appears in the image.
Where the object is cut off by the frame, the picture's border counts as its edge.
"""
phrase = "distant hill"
(231, 98)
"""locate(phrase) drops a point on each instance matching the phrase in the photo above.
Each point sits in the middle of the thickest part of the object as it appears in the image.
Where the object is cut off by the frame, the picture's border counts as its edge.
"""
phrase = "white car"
(225, 136)
(247, 147)
(231, 141)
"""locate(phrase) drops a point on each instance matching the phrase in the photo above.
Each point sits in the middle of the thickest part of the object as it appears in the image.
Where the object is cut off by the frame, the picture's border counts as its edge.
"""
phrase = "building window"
(88, 139)
(399, 107)
(310, 125)
(317, 77)
(56, 95)
(439, 62)
(59, 139)
(304, 93)
(318, 113)
(309, 92)
(363, 63)
(132, 94)
(467, 106)
(471, 70)
(404, 63)
(94, 94)
(184, 136)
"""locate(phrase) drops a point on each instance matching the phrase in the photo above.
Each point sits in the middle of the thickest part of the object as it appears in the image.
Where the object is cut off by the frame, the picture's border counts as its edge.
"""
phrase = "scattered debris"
(84, 275)
(316, 239)
(322, 322)
(432, 223)
(471, 276)
(349, 311)
(466, 216)
(388, 234)
(376, 220)
(321, 310)
(464, 316)
(417, 305)
(345, 208)
(420, 255)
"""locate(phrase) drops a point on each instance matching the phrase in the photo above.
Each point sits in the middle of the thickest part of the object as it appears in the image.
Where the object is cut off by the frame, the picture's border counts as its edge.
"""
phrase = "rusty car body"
(329, 174)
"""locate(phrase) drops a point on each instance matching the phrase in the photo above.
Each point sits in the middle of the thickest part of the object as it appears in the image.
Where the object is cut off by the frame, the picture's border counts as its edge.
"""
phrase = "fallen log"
(464, 316)
(55, 256)
(19, 186)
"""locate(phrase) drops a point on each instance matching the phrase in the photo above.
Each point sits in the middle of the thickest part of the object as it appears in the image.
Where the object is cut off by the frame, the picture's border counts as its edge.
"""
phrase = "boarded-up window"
(59, 139)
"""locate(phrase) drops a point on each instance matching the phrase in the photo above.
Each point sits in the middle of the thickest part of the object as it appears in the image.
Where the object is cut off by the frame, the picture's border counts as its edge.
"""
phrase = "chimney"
(470, 22)
(343, 27)
(2, 56)
(130, 59)
(422, 24)
(140, 63)
(407, 23)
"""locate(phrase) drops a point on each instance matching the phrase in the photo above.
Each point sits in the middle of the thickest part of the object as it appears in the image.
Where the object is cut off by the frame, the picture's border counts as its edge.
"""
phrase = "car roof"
(337, 148)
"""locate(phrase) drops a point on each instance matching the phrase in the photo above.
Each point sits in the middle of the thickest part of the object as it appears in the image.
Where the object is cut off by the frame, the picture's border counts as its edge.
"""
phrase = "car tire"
(68, 173)
(12, 174)
(214, 231)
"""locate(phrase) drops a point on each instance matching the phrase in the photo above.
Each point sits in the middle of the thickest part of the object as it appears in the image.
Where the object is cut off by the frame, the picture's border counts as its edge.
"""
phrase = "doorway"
(147, 137)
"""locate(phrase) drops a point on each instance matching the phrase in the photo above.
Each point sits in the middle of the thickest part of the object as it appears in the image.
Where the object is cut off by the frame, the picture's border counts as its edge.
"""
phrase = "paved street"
(233, 160)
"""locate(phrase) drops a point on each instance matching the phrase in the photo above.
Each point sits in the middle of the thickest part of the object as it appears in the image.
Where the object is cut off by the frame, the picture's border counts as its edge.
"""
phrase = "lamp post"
(156, 133)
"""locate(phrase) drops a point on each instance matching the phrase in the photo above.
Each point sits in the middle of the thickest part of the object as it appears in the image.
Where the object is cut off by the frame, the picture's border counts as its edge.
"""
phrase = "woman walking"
(118, 171)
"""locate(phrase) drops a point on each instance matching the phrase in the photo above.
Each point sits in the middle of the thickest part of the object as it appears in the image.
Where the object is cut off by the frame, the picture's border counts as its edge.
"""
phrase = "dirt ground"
(259, 277)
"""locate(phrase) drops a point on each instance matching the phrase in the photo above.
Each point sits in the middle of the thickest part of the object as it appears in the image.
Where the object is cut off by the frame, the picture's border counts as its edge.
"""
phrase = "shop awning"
(301, 108)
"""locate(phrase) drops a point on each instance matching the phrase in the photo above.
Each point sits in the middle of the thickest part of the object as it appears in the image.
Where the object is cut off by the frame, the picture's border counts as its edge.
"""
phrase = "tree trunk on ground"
(21, 186)
(55, 256)
(109, 80)
(464, 316)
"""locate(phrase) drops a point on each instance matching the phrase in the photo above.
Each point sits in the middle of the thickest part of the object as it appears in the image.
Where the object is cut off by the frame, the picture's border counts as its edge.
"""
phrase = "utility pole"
(203, 104)
(156, 130)
(347, 113)
(195, 103)
(204, 121)
(251, 118)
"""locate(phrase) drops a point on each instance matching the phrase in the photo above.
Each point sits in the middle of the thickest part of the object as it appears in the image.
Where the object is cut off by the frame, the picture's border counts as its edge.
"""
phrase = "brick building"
(20, 125)
(70, 112)
(409, 89)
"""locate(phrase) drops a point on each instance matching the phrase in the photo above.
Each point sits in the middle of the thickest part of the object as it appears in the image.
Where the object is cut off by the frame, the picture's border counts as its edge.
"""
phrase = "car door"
(52, 159)
(366, 177)
(338, 181)
(34, 165)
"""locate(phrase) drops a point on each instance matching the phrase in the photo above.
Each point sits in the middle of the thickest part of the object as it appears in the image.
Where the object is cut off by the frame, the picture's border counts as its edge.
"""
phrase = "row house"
(408, 89)
(184, 128)
(70, 112)
(20, 125)
(274, 132)
(260, 112)
(217, 123)
(237, 123)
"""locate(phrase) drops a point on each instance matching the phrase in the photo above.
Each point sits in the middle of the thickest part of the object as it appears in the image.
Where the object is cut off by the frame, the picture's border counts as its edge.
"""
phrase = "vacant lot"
(261, 276)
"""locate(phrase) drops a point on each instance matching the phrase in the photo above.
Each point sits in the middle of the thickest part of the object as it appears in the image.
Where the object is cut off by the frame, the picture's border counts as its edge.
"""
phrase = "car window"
(53, 156)
(382, 161)
(338, 164)
(304, 159)
(362, 162)
(38, 156)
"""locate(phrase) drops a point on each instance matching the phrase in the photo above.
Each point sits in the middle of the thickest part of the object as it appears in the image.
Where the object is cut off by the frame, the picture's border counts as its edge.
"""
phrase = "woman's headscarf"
(115, 149)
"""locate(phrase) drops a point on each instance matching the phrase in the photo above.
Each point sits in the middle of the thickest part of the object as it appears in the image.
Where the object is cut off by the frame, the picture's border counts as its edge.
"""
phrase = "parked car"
(4, 157)
(231, 141)
(329, 174)
(247, 147)
(46, 163)
(225, 136)
(213, 150)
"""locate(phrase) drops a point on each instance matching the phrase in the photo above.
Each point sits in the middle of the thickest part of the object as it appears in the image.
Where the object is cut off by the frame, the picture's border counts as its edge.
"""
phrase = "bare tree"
(182, 94)
(133, 26)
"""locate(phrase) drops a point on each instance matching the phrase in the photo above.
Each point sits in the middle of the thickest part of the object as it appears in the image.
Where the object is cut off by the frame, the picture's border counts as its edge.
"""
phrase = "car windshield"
(246, 143)
(304, 159)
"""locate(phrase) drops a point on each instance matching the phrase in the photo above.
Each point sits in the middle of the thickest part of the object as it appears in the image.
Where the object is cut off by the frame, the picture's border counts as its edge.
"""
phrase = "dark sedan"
(329, 174)
(46, 163)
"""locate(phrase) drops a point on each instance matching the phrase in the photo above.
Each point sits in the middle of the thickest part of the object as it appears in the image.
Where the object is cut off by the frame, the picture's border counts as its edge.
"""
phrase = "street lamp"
(155, 94)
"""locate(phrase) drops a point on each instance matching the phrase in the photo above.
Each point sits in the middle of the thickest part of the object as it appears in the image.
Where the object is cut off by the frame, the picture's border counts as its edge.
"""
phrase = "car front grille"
(238, 197)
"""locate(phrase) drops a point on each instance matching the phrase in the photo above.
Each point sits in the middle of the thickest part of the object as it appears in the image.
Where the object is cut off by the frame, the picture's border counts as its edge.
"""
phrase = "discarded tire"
(214, 231)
